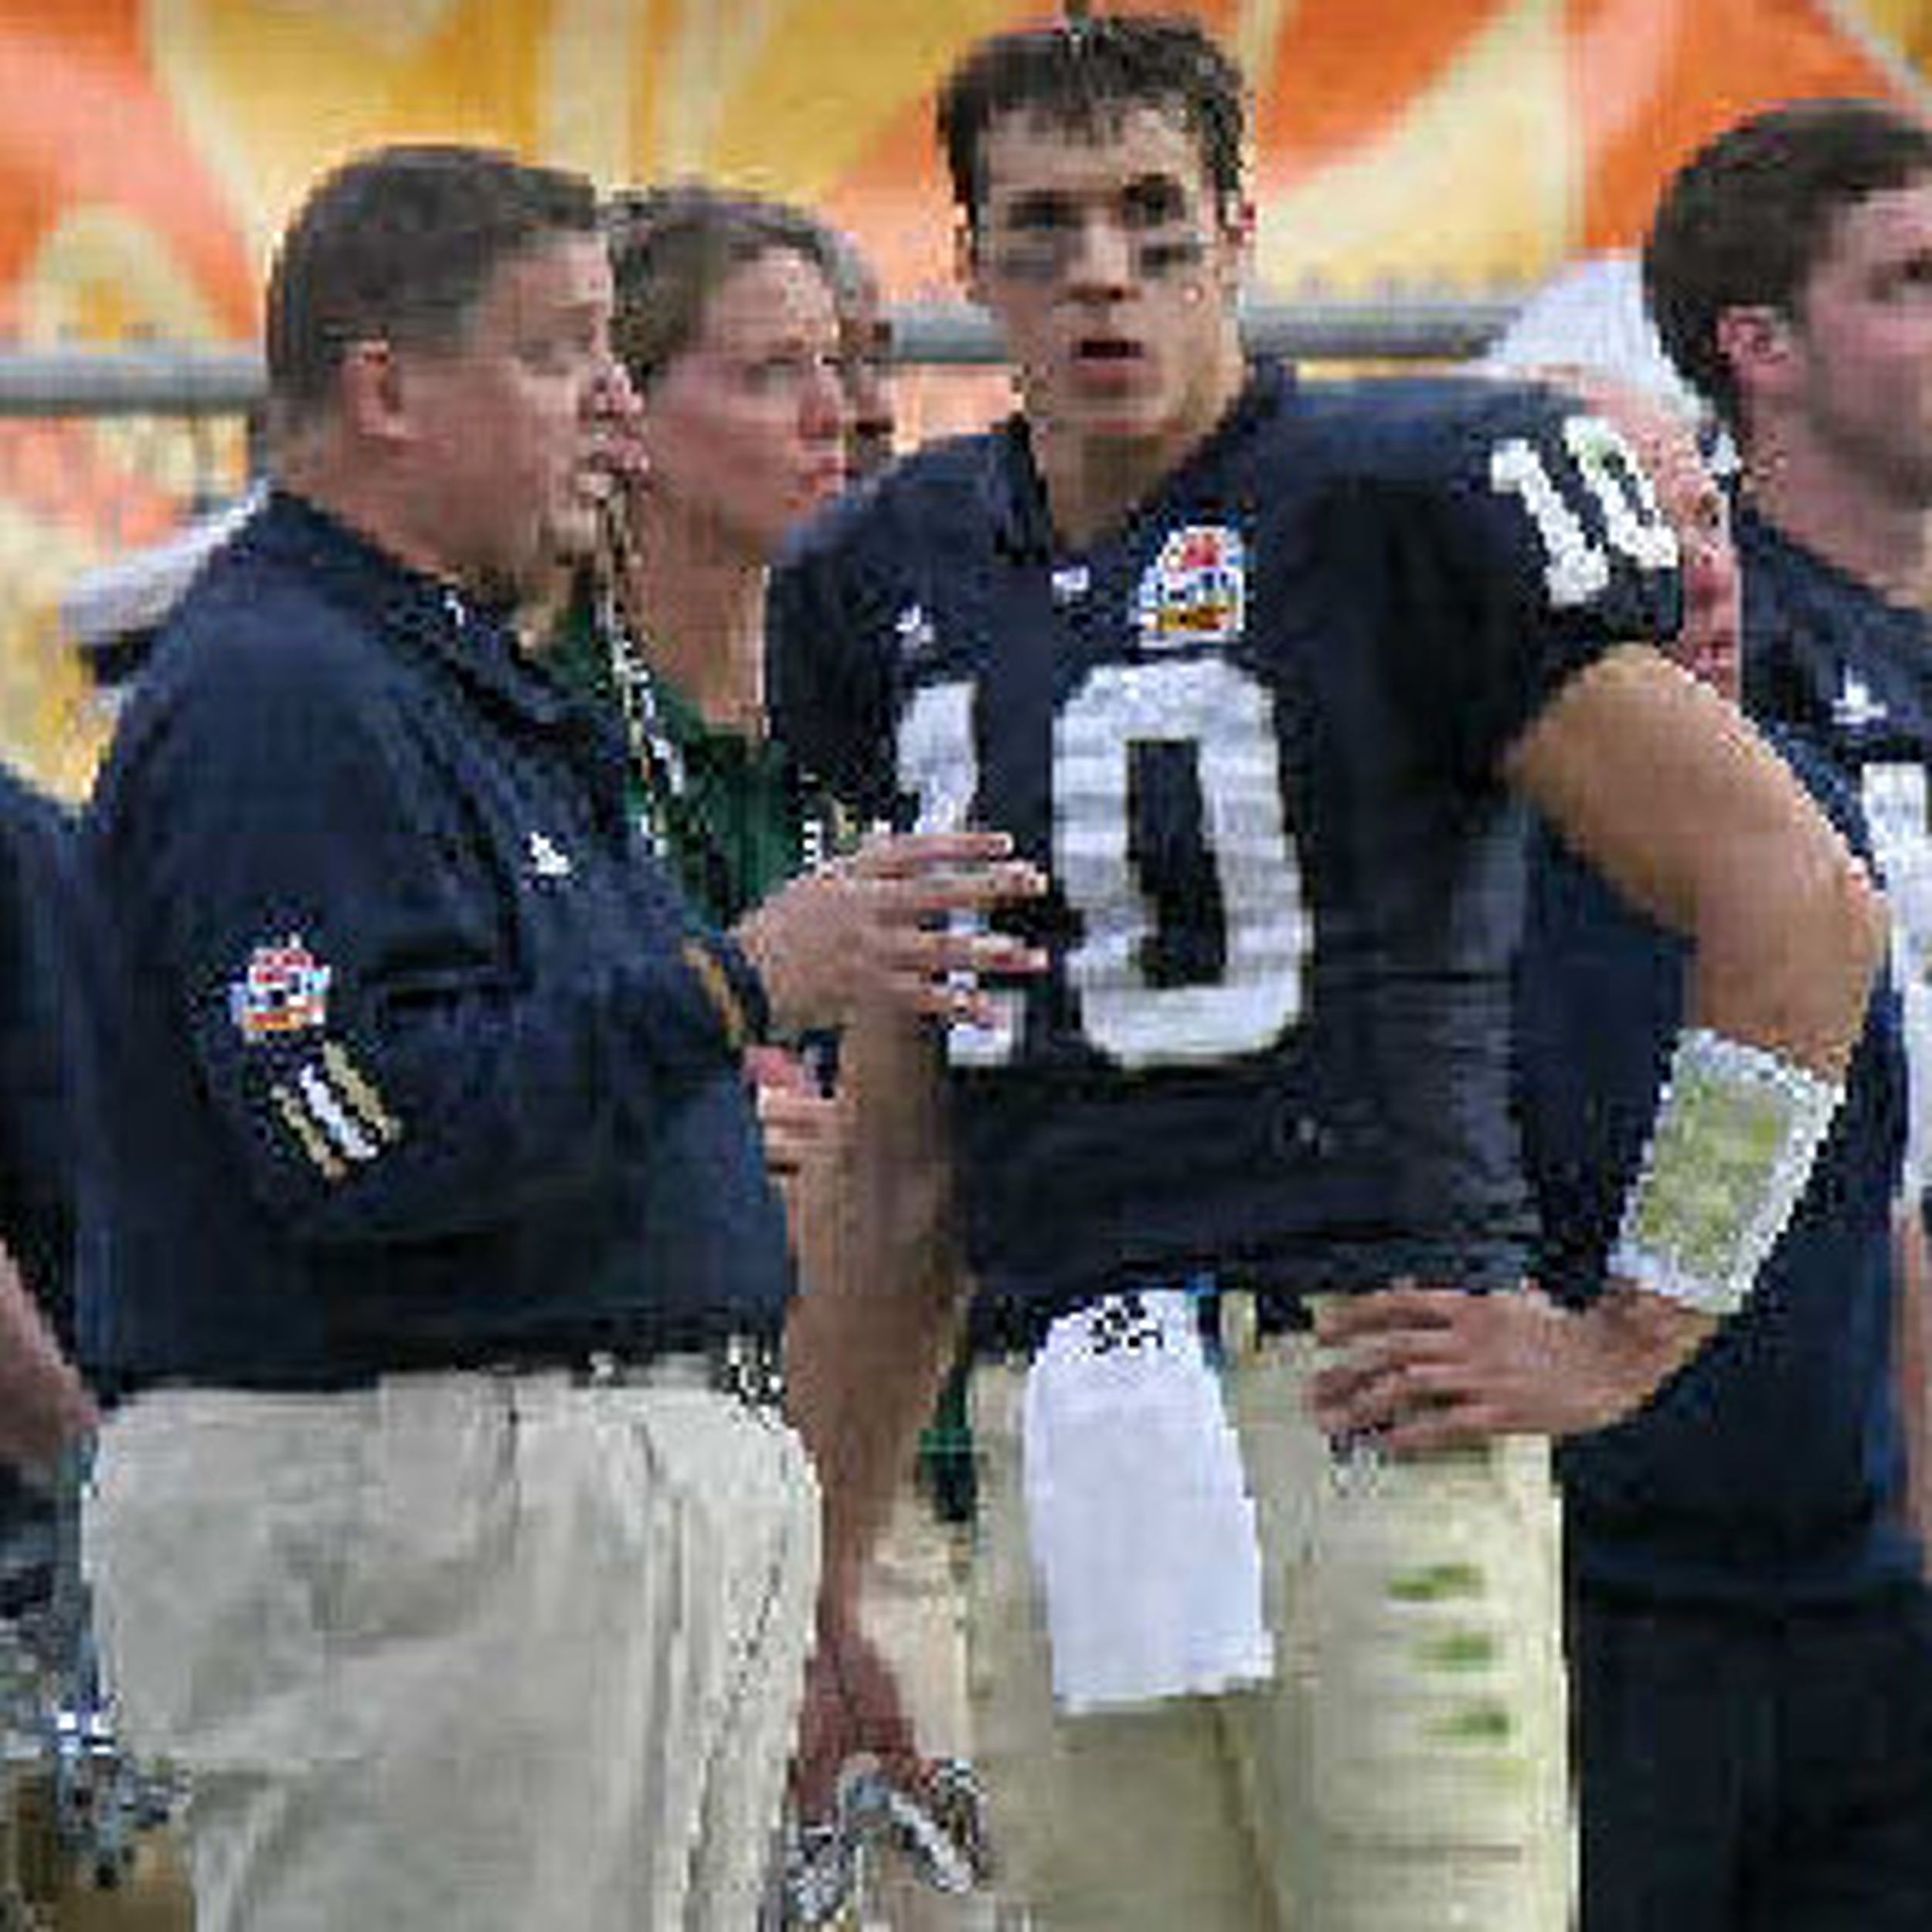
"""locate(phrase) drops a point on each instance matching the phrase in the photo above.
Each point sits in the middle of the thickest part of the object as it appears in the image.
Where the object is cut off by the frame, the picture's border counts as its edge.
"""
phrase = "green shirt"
(728, 812)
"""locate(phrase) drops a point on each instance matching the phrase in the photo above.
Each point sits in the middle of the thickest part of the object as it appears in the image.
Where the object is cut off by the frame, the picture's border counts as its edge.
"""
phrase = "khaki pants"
(1406, 1770)
(461, 1651)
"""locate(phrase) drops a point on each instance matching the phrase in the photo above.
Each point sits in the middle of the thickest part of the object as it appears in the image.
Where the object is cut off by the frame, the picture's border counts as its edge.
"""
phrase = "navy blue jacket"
(414, 1056)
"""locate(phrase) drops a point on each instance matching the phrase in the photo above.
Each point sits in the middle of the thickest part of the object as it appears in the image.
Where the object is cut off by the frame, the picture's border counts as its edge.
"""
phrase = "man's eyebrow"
(1157, 186)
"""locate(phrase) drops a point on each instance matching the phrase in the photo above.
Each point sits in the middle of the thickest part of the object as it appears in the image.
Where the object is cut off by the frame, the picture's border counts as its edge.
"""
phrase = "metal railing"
(221, 382)
(104, 451)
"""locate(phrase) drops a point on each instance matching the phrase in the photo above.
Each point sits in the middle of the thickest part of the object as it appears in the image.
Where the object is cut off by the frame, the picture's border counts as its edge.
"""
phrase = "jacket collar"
(431, 615)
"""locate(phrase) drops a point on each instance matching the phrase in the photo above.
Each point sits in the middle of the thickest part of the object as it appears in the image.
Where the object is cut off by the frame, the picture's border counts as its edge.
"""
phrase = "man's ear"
(1759, 344)
(374, 392)
(1237, 220)
(968, 257)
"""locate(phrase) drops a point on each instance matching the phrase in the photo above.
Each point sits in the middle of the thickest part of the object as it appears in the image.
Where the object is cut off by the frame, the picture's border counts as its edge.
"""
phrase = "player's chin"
(1128, 410)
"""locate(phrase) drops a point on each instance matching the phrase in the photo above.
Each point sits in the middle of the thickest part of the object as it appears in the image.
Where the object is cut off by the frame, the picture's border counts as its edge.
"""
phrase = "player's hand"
(852, 1706)
(879, 927)
(1430, 1368)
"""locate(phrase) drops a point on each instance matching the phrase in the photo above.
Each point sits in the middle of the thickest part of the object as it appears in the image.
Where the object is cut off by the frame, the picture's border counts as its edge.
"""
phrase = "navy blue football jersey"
(1253, 737)
(1826, 655)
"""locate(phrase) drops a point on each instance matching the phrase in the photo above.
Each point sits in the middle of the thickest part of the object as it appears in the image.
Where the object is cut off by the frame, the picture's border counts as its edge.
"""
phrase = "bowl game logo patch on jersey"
(283, 989)
(1196, 590)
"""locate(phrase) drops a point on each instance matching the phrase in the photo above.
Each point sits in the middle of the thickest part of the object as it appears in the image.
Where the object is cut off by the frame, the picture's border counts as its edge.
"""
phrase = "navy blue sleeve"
(306, 881)
(1524, 545)
(830, 683)
(40, 980)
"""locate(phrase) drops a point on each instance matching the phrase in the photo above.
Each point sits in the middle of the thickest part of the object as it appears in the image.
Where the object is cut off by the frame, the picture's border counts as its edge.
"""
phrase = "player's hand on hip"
(898, 921)
(1420, 1369)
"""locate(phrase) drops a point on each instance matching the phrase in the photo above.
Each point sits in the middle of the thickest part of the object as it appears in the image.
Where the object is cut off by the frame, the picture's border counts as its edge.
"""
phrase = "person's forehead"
(552, 275)
(1682, 481)
(1889, 225)
(1025, 152)
(778, 293)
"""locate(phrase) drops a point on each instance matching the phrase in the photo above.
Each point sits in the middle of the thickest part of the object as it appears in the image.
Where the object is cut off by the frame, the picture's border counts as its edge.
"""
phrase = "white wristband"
(1730, 1152)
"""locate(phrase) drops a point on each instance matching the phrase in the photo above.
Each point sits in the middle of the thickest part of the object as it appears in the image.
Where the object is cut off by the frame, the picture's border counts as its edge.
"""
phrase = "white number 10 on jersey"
(1617, 498)
(1227, 717)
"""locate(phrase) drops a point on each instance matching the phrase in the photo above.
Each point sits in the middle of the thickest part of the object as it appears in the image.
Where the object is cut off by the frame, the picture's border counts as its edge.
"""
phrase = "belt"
(748, 1366)
(1003, 1329)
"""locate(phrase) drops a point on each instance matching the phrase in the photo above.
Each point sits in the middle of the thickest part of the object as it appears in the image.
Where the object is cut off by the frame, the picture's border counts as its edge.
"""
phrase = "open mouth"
(1107, 366)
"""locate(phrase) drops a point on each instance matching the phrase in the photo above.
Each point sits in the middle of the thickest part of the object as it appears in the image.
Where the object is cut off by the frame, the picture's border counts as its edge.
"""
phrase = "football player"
(1790, 267)
(1750, 1644)
(1265, 1627)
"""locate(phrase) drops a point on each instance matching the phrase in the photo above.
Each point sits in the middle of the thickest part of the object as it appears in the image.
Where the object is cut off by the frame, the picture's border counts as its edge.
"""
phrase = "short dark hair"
(398, 244)
(1743, 222)
(673, 248)
(1082, 74)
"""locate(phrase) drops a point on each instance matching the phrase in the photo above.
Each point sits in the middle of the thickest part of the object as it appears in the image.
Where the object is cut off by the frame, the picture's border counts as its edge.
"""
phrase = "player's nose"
(1102, 256)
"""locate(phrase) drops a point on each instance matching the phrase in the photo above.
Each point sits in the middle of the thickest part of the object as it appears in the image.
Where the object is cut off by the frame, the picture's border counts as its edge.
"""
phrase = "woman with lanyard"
(728, 327)
(733, 319)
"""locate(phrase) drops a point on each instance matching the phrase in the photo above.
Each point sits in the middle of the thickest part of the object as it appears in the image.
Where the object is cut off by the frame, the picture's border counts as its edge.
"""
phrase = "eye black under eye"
(1040, 214)
(1153, 203)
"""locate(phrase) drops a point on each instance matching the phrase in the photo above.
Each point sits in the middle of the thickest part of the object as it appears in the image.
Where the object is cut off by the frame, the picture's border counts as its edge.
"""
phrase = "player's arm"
(869, 1342)
(868, 1345)
(1665, 789)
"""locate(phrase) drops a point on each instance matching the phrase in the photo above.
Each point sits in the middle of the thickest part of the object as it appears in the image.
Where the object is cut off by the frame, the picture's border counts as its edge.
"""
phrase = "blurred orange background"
(151, 149)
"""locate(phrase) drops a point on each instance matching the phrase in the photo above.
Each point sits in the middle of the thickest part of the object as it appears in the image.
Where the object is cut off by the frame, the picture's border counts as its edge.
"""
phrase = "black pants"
(1752, 1774)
